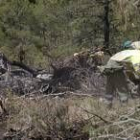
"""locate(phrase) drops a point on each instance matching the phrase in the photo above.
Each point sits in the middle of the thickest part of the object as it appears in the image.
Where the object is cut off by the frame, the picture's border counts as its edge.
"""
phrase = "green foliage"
(63, 26)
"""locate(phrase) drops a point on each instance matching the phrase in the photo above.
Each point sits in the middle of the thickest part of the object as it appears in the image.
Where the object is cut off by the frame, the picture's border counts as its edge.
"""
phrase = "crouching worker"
(117, 70)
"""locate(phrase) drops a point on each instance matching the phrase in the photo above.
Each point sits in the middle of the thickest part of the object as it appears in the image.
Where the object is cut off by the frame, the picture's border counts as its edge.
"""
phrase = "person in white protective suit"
(117, 71)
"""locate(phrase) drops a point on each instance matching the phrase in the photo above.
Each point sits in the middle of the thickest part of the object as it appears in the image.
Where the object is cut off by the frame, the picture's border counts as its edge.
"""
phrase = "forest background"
(50, 29)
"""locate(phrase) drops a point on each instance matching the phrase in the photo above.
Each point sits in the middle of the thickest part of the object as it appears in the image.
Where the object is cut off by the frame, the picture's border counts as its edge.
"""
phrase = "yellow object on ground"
(129, 56)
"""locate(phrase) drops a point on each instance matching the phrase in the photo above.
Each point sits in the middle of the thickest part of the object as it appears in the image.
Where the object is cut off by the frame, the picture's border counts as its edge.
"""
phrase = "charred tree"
(32, 1)
(106, 23)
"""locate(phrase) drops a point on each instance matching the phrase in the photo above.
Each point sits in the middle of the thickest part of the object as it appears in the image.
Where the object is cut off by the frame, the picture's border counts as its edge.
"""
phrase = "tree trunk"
(106, 24)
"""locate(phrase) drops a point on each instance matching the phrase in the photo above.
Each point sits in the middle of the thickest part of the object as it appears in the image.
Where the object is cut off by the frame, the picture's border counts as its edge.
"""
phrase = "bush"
(75, 118)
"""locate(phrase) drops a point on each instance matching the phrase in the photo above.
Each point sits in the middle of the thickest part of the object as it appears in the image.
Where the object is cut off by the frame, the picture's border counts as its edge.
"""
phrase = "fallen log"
(25, 67)
(6, 63)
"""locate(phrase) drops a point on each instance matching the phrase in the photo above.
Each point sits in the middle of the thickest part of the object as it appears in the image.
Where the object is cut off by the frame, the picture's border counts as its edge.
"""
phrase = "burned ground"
(63, 105)
(22, 86)
(73, 73)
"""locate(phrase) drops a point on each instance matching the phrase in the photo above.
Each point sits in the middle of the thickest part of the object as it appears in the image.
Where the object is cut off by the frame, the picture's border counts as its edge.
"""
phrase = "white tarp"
(120, 56)
(136, 45)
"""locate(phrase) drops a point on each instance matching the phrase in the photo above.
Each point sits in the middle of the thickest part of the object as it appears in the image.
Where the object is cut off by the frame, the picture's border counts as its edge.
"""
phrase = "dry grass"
(72, 118)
